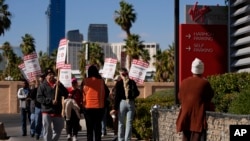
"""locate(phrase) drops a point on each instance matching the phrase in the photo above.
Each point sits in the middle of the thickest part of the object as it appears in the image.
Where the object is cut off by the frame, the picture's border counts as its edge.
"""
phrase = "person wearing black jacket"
(35, 109)
(50, 94)
(124, 104)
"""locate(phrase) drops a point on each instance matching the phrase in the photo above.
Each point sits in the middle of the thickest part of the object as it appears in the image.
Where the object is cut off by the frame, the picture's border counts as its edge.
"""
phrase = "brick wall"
(164, 128)
(10, 103)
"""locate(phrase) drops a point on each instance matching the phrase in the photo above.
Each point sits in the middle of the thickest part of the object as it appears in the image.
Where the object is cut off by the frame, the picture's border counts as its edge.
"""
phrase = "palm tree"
(82, 61)
(170, 61)
(4, 17)
(164, 65)
(145, 56)
(12, 63)
(96, 55)
(46, 61)
(159, 65)
(125, 16)
(28, 44)
(133, 48)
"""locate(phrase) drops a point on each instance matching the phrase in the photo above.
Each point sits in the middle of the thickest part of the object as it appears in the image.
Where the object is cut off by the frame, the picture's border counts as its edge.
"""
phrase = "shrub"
(241, 104)
(226, 87)
(142, 126)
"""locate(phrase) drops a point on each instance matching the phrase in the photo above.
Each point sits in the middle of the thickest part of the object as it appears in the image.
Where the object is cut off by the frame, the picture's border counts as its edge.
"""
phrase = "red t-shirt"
(76, 95)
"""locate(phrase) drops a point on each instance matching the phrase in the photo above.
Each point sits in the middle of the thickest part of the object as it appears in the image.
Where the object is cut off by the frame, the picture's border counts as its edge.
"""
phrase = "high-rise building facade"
(74, 36)
(239, 35)
(56, 24)
(117, 51)
(110, 50)
(73, 54)
(98, 33)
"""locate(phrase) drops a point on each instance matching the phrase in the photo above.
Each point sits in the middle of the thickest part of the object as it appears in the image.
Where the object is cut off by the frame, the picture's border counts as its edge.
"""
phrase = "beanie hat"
(73, 80)
(197, 66)
(48, 71)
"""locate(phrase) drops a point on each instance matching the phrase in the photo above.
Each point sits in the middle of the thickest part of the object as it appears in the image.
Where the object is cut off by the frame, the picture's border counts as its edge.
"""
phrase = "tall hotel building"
(239, 35)
(56, 24)
(98, 33)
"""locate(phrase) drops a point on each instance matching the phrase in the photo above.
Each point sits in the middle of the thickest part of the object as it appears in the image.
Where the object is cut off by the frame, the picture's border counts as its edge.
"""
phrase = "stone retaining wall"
(164, 128)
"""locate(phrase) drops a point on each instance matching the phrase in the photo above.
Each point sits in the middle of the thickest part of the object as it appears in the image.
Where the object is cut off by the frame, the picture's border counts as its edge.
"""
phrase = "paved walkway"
(12, 126)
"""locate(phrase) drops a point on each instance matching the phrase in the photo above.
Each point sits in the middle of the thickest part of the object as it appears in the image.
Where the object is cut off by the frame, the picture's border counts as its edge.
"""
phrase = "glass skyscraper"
(56, 24)
(98, 33)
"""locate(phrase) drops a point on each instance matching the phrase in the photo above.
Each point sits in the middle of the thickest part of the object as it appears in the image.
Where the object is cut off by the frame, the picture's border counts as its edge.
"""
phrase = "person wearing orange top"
(95, 93)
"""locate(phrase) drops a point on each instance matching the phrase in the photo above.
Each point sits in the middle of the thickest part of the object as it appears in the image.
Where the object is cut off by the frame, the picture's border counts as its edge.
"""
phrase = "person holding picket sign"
(72, 106)
(51, 105)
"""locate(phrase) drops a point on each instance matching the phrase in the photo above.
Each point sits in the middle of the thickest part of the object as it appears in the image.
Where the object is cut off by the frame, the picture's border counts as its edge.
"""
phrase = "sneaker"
(74, 138)
(104, 134)
(68, 137)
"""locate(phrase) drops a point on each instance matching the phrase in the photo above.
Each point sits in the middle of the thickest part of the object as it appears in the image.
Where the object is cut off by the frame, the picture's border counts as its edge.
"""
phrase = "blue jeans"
(126, 113)
(104, 121)
(36, 122)
(24, 115)
(50, 134)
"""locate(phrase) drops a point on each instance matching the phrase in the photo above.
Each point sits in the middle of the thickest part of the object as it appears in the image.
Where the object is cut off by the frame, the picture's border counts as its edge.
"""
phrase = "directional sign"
(206, 42)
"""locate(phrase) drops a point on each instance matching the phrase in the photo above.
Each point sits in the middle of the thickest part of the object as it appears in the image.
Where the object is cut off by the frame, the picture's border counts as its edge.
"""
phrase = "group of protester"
(42, 102)
(48, 104)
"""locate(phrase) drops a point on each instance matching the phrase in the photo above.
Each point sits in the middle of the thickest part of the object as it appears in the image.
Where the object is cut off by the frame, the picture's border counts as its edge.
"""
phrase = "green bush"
(241, 104)
(226, 87)
(142, 127)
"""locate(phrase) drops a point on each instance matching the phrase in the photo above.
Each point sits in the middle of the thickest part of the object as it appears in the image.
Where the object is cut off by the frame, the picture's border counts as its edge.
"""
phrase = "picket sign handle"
(57, 79)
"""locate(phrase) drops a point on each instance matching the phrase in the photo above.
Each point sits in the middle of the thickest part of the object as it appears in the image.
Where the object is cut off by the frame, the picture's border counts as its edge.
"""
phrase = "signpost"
(206, 42)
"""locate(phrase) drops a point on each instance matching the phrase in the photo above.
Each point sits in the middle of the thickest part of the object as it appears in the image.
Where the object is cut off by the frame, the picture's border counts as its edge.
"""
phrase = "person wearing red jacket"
(73, 105)
(195, 95)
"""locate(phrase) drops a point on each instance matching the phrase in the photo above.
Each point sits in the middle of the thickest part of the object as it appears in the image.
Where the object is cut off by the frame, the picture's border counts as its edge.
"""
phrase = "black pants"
(93, 118)
(191, 136)
(72, 125)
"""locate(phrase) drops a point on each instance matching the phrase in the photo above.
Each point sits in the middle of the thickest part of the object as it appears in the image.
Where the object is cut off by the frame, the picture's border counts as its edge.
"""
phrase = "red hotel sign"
(206, 42)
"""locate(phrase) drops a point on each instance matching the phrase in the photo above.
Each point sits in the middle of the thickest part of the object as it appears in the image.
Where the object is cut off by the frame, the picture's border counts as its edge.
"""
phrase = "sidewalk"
(12, 124)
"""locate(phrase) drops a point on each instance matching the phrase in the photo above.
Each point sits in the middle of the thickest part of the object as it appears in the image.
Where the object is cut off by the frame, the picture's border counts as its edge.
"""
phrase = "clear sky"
(155, 19)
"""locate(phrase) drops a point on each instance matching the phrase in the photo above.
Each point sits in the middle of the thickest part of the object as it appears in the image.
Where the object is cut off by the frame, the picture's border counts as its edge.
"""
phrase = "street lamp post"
(176, 68)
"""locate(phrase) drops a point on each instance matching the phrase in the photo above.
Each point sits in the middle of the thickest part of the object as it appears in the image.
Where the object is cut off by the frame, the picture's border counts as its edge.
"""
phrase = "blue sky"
(155, 19)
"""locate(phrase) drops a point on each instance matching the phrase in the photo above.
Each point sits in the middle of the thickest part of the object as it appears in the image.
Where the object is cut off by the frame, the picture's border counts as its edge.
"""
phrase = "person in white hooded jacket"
(23, 96)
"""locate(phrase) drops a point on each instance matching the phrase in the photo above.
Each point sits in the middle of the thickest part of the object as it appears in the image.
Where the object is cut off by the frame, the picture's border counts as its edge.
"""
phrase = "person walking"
(125, 94)
(195, 95)
(114, 115)
(35, 109)
(23, 95)
(72, 107)
(50, 94)
(95, 94)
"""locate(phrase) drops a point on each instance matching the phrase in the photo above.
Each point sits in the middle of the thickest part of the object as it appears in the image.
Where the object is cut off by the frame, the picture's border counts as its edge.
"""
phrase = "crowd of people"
(49, 105)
